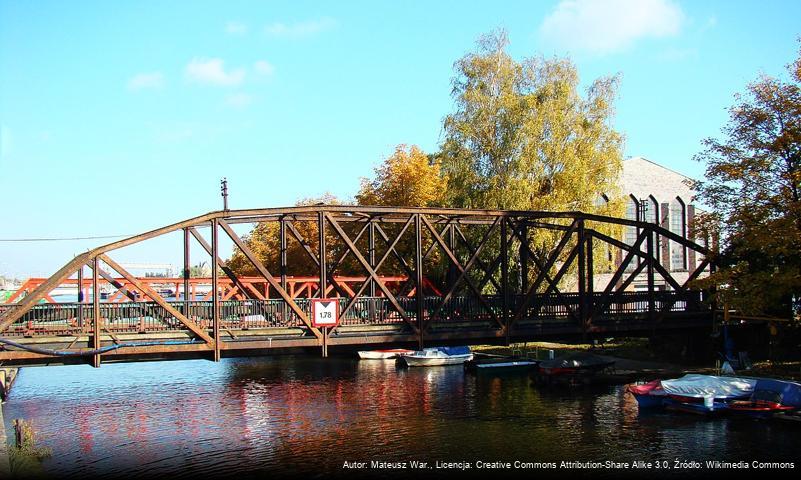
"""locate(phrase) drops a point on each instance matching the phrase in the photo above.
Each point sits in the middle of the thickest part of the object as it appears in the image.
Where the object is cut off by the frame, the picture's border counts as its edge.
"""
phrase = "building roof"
(642, 178)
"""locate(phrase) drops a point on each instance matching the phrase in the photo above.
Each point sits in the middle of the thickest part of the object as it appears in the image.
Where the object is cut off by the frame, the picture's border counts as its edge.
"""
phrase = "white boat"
(383, 354)
(431, 357)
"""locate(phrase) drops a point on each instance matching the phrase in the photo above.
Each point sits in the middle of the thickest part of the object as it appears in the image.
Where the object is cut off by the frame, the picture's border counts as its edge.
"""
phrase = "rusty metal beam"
(270, 279)
(463, 274)
(363, 286)
(366, 265)
(248, 290)
(462, 269)
(145, 289)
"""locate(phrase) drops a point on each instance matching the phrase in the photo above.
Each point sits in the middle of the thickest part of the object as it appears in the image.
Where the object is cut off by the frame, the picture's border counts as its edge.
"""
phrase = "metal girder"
(462, 269)
(463, 273)
(145, 289)
(251, 292)
(366, 265)
(270, 279)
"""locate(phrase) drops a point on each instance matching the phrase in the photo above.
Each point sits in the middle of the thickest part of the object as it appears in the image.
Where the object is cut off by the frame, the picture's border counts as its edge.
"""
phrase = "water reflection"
(307, 415)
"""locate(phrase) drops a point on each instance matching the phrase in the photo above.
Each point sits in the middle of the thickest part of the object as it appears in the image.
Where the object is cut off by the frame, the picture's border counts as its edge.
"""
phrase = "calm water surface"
(307, 415)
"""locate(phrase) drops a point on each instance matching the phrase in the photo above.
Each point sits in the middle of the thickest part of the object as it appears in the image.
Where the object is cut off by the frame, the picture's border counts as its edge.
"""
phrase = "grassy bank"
(640, 350)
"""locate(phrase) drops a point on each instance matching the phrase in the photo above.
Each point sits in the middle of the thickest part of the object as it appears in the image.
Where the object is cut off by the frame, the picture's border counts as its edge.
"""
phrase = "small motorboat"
(387, 354)
(437, 356)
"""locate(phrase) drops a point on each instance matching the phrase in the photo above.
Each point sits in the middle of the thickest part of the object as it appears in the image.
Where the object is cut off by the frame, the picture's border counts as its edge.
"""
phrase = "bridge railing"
(145, 317)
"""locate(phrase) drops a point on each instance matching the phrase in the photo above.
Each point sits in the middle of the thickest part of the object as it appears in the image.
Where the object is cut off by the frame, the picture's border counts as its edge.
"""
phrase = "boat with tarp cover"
(693, 393)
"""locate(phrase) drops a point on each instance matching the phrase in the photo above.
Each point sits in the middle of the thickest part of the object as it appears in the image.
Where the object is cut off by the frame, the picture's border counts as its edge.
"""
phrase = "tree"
(522, 137)
(407, 178)
(753, 186)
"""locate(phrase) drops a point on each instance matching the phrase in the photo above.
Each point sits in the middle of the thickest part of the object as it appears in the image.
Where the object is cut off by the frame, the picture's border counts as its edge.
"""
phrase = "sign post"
(325, 314)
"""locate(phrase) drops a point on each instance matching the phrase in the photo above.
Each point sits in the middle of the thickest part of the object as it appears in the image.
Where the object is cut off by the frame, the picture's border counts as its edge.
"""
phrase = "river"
(295, 414)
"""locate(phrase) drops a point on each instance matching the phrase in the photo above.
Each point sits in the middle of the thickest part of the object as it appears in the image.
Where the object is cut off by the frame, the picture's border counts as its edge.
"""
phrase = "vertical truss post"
(96, 311)
(650, 274)
(187, 271)
(80, 298)
(418, 270)
(582, 277)
(282, 260)
(371, 252)
(590, 304)
(505, 279)
(523, 259)
(282, 269)
(215, 249)
(323, 273)
(452, 271)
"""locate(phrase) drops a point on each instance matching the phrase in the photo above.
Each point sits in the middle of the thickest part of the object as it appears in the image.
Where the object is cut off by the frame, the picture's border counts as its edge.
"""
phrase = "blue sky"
(119, 117)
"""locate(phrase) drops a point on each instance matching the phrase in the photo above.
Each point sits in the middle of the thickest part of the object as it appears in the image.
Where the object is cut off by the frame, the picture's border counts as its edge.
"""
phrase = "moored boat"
(575, 364)
(500, 365)
(386, 354)
(693, 393)
(648, 395)
(574, 369)
(437, 356)
(769, 398)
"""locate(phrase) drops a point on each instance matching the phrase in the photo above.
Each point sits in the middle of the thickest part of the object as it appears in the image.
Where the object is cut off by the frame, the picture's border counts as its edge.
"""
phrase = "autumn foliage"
(753, 186)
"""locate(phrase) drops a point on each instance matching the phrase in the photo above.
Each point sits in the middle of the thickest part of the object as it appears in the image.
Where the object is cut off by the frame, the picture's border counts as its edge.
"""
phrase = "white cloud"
(300, 29)
(238, 100)
(605, 26)
(263, 67)
(236, 28)
(212, 72)
(146, 80)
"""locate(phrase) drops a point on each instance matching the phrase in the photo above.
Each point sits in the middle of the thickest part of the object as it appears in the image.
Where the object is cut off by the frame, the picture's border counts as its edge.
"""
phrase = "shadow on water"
(305, 415)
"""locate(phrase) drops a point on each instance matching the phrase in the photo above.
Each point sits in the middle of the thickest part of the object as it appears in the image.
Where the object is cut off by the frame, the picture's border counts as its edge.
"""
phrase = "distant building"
(656, 194)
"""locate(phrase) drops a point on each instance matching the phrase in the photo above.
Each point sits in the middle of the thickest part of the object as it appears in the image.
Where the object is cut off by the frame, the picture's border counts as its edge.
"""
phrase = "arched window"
(601, 201)
(678, 225)
(650, 214)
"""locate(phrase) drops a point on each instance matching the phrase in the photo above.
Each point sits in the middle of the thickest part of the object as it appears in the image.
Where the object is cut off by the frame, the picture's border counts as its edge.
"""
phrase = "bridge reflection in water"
(475, 255)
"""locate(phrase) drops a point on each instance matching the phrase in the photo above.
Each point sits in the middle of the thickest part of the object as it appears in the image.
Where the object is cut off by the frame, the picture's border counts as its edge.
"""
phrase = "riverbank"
(638, 356)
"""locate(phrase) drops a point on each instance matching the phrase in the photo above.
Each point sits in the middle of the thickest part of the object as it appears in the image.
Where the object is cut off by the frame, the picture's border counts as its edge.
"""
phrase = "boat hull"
(390, 354)
(429, 361)
(500, 365)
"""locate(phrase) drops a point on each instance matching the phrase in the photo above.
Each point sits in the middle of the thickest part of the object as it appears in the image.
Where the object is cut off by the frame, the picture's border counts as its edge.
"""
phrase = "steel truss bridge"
(424, 276)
